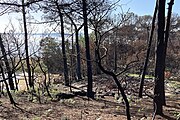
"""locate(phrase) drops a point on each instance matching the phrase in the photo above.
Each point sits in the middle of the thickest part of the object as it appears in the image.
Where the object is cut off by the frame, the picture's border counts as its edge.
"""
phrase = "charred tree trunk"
(88, 57)
(9, 70)
(7, 87)
(115, 56)
(66, 76)
(31, 84)
(22, 66)
(45, 79)
(24, 73)
(78, 57)
(64, 52)
(159, 90)
(120, 88)
(73, 60)
(98, 71)
(148, 52)
(14, 70)
(168, 22)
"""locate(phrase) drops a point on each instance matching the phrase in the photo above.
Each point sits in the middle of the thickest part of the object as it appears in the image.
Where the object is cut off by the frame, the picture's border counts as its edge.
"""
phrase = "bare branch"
(20, 5)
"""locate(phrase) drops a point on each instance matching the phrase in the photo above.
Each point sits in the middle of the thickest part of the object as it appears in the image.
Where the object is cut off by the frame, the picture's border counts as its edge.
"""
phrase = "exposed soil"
(105, 106)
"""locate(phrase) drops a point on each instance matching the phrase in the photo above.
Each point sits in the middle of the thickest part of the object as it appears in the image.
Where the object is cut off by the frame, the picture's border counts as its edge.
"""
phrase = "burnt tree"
(66, 76)
(89, 66)
(8, 68)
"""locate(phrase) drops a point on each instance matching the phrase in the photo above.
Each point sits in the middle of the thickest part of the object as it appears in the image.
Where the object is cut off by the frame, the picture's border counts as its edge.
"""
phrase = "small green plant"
(175, 85)
(177, 114)
(138, 100)
(36, 118)
(140, 109)
(117, 108)
(97, 97)
(64, 118)
(116, 96)
(71, 101)
(120, 100)
(49, 111)
(54, 91)
(20, 92)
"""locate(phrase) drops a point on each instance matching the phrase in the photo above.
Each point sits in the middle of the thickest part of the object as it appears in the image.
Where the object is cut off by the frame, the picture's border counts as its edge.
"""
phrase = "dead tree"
(31, 84)
(7, 86)
(148, 52)
(88, 57)
(45, 78)
(61, 16)
(159, 89)
(78, 57)
(114, 76)
(9, 70)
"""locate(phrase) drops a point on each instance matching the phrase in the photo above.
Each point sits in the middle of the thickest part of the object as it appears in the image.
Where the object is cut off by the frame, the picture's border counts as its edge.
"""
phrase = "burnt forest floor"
(106, 105)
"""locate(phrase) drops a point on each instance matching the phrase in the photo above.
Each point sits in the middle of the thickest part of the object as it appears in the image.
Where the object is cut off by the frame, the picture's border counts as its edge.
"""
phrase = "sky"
(146, 7)
(139, 7)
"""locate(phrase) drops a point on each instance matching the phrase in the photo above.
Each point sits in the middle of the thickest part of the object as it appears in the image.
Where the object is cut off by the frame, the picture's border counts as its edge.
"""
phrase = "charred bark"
(9, 69)
(88, 62)
(148, 52)
(31, 84)
(66, 76)
(159, 90)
